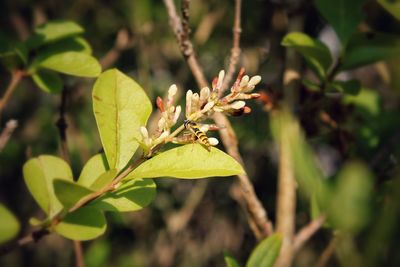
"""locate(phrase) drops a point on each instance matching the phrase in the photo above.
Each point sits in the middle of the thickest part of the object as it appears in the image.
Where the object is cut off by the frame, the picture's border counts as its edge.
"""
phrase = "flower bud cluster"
(200, 106)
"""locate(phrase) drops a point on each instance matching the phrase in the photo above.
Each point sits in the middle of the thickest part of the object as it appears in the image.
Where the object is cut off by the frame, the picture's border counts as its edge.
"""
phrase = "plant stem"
(16, 77)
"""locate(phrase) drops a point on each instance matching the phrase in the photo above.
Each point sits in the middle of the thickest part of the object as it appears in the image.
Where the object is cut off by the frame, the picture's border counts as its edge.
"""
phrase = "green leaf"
(391, 6)
(367, 48)
(53, 31)
(315, 52)
(72, 63)
(48, 81)
(98, 254)
(266, 252)
(189, 162)
(351, 87)
(68, 192)
(230, 261)
(311, 85)
(286, 130)
(83, 224)
(9, 226)
(95, 166)
(367, 103)
(39, 174)
(343, 15)
(130, 196)
(121, 107)
(351, 201)
(104, 179)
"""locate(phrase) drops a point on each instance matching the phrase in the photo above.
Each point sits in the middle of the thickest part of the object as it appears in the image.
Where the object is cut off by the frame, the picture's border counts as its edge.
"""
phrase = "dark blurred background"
(149, 53)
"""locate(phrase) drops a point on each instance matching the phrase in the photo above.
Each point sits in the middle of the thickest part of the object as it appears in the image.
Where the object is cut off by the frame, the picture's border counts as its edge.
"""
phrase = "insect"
(194, 128)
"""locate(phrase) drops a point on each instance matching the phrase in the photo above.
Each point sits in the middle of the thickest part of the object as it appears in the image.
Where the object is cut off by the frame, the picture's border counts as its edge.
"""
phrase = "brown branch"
(35, 236)
(256, 211)
(178, 220)
(235, 51)
(286, 198)
(5, 135)
(122, 42)
(307, 232)
(16, 77)
(327, 253)
(79, 261)
(184, 42)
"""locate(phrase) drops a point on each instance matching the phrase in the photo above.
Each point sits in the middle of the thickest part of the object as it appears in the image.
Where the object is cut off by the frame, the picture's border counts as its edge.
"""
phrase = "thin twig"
(62, 129)
(235, 51)
(122, 42)
(286, 198)
(78, 254)
(307, 232)
(253, 205)
(178, 220)
(185, 43)
(35, 236)
(5, 135)
(327, 253)
(16, 77)
(62, 126)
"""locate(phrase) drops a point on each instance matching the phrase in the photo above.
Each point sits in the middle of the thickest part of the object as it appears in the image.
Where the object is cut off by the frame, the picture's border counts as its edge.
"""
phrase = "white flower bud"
(213, 141)
(144, 132)
(208, 106)
(162, 136)
(189, 95)
(204, 128)
(244, 81)
(172, 91)
(221, 76)
(195, 102)
(204, 94)
(254, 81)
(238, 104)
(161, 123)
(177, 113)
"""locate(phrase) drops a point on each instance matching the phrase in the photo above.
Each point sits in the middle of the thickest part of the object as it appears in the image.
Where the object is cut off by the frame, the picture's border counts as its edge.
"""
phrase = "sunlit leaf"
(266, 252)
(230, 261)
(75, 44)
(53, 31)
(316, 53)
(130, 196)
(189, 162)
(9, 226)
(120, 106)
(367, 102)
(351, 87)
(83, 224)
(72, 63)
(343, 15)
(367, 48)
(93, 168)
(48, 81)
(391, 6)
(39, 174)
(68, 192)
(104, 179)
(351, 201)
(309, 176)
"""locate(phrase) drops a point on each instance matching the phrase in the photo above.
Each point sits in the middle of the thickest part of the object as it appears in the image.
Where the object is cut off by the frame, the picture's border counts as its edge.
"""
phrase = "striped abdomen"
(201, 136)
